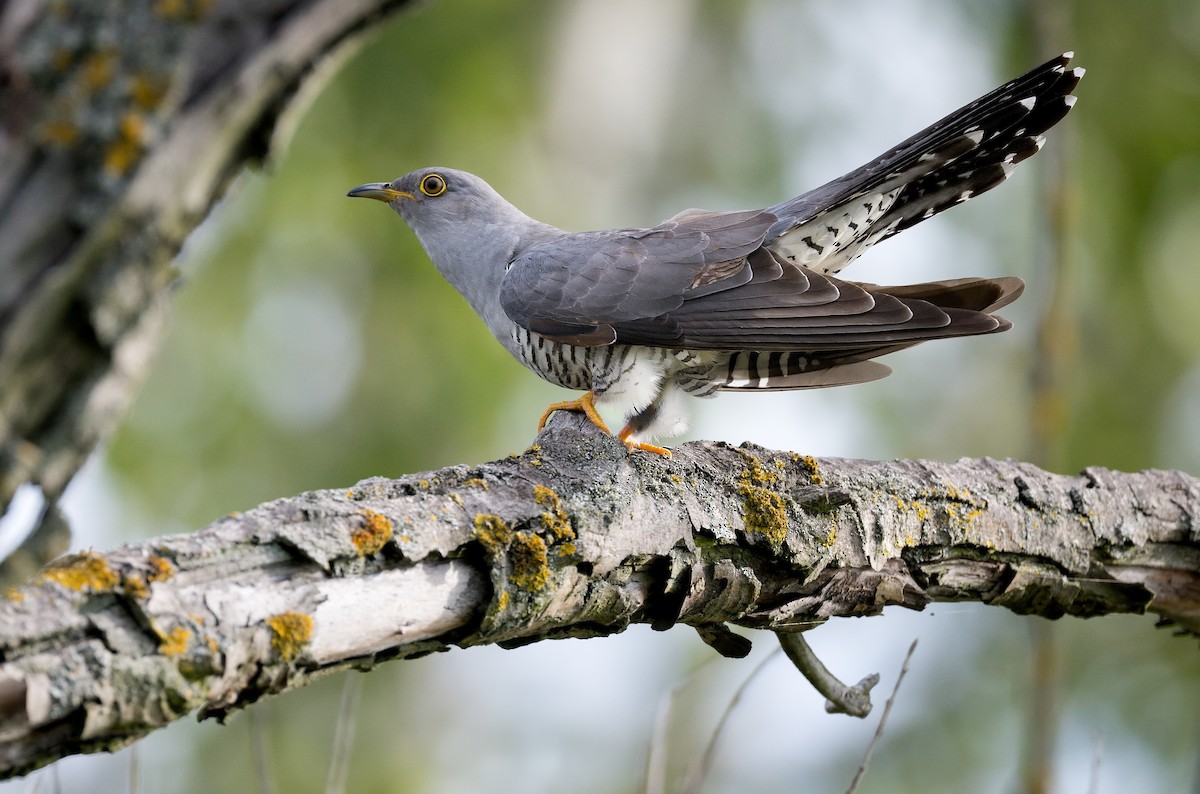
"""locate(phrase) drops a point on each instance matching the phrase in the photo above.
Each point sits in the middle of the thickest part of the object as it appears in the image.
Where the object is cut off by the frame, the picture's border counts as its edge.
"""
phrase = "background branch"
(573, 538)
(121, 125)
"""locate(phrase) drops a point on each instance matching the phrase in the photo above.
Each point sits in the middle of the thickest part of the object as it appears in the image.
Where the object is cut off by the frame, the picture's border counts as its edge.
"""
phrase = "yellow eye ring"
(433, 185)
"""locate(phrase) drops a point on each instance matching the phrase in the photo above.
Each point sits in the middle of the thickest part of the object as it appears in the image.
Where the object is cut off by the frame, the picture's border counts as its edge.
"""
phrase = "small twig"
(262, 766)
(887, 709)
(839, 698)
(343, 735)
(133, 769)
(656, 761)
(1097, 759)
(695, 778)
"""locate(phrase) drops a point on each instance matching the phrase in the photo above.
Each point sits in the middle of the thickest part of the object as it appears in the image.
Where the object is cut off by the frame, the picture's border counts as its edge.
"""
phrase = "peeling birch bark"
(573, 538)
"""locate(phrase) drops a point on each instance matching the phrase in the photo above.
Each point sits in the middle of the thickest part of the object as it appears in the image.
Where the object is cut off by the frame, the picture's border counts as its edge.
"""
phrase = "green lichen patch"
(87, 571)
(372, 534)
(290, 632)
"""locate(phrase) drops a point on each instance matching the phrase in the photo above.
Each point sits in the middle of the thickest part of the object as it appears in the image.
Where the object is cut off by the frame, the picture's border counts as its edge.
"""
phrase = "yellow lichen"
(98, 69)
(809, 464)
(555, 519)
(830, 537)
(61, 59)
(14, 594)
(492, 532)
(756, 472)
(86, 571)
(161, 569)
(59, 132)
(535, 450)
(476, 482)
(764, 510)
(147, 91)
(765, 513)
(373, 533)
(135, 586)
(183, 10)
(530, 562)
(175, 642)
(290, 632)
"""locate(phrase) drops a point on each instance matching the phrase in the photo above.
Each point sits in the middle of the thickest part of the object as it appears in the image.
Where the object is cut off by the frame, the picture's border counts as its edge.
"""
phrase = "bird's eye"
(433, 185)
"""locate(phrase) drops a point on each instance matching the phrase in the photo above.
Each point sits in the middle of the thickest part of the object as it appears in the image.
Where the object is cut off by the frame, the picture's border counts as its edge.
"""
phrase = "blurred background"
(313, 345)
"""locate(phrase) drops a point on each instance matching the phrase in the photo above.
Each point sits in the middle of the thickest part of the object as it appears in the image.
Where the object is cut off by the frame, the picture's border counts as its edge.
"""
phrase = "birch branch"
(573, 538)
(121, 124)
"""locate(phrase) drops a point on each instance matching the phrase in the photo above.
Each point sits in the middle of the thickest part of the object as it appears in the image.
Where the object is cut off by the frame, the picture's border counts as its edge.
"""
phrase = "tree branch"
(120, 126)
(573, 538)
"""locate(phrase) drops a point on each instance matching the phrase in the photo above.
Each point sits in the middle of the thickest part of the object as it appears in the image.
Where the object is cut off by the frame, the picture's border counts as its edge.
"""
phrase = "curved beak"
(380, 191)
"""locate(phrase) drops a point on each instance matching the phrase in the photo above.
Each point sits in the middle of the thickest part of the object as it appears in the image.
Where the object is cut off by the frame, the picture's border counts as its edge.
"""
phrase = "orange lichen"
(175, 642)
(86, 571)
(290, 632)
(373, 534)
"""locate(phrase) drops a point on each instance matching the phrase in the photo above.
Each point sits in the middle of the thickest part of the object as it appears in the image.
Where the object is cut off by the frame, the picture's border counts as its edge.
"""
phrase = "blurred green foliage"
(313, 345)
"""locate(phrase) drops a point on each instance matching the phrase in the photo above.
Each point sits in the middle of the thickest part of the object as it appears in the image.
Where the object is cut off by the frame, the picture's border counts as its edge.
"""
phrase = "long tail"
(964, 154)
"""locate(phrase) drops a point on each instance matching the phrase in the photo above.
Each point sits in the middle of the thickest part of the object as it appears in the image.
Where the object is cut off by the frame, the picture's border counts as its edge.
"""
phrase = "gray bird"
(745, 300)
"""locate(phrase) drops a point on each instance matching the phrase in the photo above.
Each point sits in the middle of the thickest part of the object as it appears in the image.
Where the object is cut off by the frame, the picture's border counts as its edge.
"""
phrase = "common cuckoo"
(712, 301)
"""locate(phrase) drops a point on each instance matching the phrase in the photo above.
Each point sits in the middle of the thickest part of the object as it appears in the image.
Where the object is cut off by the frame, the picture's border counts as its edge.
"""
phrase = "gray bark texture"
(573, 538)
(121, 123)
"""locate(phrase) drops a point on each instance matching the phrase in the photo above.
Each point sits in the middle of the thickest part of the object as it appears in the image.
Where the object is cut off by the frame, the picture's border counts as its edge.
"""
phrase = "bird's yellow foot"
(626, 436)
(586, 404)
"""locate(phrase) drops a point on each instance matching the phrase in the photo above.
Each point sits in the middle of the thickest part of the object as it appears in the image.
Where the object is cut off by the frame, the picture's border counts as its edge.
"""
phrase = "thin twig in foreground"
(343, 735)
(695, 778)
(887, 709)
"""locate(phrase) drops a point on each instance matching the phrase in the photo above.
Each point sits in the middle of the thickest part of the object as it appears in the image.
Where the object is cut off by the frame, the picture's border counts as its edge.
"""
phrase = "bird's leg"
(585, 403)
(626, 436)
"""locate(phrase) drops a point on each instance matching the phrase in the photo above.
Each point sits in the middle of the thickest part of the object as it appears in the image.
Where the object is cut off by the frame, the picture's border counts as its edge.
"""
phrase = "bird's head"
(469, 231)
(442, 205)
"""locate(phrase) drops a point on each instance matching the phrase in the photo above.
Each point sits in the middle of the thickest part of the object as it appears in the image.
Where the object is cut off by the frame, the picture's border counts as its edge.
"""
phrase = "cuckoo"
(711, 301)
